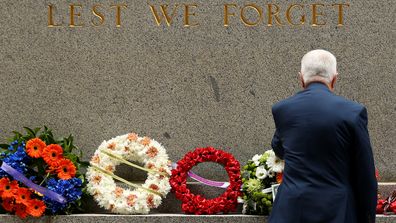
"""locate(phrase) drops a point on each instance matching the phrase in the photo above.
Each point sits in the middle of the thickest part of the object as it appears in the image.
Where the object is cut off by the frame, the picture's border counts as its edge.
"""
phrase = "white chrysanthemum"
(256, 159)
(261, 172)
(274, 163)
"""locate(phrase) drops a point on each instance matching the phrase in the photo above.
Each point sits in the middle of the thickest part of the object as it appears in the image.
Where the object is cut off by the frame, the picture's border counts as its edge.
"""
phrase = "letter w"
(168, 18)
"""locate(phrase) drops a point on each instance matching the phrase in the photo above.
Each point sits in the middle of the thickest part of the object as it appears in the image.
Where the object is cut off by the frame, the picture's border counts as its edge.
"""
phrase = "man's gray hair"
(318, 65)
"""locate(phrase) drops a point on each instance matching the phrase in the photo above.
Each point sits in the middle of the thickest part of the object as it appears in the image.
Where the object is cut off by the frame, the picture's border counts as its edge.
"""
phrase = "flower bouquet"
(40, 175)
(259, 176)
(388, 205)
(385, 206)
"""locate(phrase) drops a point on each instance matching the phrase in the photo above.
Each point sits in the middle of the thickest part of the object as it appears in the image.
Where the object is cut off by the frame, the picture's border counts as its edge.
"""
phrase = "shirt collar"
(318, 85)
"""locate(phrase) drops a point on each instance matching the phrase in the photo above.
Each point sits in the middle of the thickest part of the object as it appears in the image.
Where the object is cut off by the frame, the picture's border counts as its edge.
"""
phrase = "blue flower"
(69, 189)
(18, 160)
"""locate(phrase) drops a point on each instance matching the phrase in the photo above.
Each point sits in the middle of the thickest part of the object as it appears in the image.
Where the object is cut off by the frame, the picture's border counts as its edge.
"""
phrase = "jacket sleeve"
(276, 143)
(363, 171)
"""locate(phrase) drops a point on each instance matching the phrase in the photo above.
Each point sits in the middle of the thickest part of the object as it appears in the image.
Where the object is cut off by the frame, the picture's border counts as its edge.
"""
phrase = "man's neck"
(319, 82)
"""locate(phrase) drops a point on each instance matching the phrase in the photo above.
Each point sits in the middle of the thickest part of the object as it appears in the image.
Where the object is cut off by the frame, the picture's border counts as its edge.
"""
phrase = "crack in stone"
(166, 135)
(215, 88)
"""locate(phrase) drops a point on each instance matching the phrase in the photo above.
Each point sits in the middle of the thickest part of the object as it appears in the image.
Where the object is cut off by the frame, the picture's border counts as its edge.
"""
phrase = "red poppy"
(52, 154)
(35, 147)
(36, 208)
(8, 188)
(66, 169)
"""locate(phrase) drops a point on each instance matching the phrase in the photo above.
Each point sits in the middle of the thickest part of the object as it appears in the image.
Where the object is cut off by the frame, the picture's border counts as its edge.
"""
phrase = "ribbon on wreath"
(191, 174)
(42, 190)
(194, 176)
(205, 181)
(122, 160)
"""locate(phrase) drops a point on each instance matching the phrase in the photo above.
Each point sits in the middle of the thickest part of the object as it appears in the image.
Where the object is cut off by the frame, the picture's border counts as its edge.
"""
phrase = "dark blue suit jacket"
(329, 174)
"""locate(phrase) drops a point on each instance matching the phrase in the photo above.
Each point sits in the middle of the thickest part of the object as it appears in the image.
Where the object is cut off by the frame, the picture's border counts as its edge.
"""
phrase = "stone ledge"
(151, 218)
(154, 218)
(172, 205)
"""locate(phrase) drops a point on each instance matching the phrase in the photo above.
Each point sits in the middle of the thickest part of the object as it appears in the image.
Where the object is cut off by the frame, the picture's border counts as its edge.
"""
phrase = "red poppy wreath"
(197, 204)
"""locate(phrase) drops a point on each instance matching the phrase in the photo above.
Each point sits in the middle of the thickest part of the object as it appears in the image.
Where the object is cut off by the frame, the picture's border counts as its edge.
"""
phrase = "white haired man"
(329, 174)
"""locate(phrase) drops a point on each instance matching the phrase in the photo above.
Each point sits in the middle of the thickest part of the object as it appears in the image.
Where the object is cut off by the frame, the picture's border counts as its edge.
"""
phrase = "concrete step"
(172, 205)
(170, 212)
(155, 218)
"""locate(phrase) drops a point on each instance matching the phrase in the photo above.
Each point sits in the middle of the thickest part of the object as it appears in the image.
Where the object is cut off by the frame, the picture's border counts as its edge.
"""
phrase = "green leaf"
(84, 163)
(36, 130)
(17, 135)
(30, 132)
(72, 157)
(5, 146)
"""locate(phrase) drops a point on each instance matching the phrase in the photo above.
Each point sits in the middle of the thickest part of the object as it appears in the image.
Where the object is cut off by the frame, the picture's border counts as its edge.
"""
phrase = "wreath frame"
(100, 174)
(197, 204)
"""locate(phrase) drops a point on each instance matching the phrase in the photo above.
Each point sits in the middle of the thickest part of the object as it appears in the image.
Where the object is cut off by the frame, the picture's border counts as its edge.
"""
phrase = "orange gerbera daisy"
(66, 169)
(8, 204)
(22, 196)
(36, 208)
(8, 188)
(35, 147)
(20, 210)
(52, 154)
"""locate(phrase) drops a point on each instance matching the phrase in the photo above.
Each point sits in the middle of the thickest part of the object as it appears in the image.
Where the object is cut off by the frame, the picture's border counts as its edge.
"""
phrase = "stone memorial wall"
(205, 74)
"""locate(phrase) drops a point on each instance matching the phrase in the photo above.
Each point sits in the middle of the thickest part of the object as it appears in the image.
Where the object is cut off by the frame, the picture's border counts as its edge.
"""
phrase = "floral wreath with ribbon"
(39, 174)
(259, 176)
(197, 204)
(129, 149)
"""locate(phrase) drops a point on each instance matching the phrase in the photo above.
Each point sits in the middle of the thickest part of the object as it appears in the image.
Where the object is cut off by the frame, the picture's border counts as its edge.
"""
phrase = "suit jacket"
(329, 174)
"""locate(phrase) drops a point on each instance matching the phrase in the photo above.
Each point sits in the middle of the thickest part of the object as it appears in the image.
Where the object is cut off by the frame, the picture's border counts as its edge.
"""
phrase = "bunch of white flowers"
(259, 175)
(272, 165)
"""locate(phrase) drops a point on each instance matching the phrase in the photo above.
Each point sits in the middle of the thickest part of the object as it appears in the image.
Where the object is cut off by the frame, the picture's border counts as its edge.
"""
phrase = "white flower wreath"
(136, 149)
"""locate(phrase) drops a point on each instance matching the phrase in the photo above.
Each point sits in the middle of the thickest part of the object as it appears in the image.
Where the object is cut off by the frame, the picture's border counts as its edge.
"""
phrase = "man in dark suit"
(329, 174)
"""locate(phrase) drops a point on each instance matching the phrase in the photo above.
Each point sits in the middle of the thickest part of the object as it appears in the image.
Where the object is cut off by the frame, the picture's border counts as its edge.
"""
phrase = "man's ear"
(333, 82)
(301, 79)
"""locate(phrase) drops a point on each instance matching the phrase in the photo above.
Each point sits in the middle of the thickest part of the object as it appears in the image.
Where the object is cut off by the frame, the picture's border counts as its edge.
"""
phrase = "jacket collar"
(317, 85)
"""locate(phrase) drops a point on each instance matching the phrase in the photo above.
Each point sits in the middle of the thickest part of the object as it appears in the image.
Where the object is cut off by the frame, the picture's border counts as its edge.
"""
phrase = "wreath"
(259, 175)
(123, 149)
(39, 174)
(197, 204)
